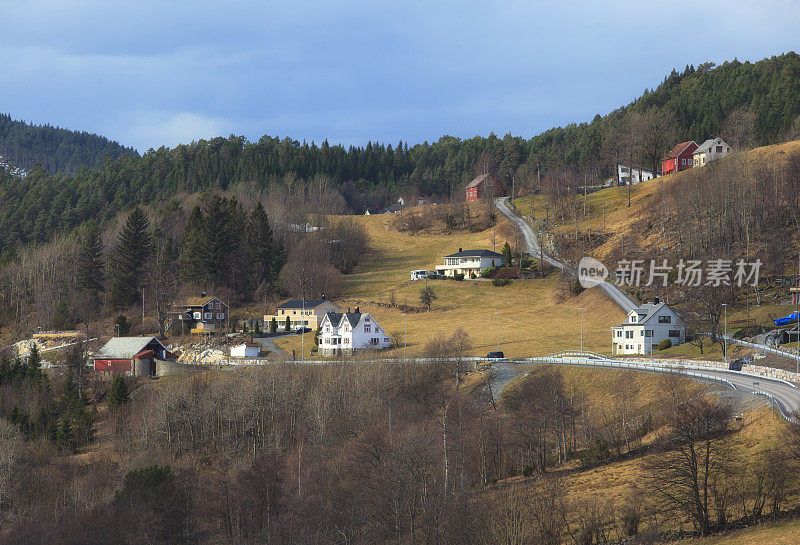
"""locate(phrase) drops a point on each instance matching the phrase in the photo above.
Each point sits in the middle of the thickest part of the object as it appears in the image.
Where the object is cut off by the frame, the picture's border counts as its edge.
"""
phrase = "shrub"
(527, 470)
(273, 325)
(663, 345)
(121, 325)
(506, 272)
(458, 276)
(500, 282)
(118, 395)
(488, 272)
(576, 288)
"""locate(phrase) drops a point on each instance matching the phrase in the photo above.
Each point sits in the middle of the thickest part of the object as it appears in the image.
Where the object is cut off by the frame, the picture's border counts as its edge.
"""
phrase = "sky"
(158, 73)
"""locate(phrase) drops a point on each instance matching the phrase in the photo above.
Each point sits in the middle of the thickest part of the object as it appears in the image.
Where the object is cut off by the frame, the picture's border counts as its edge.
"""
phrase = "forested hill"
(25, 144)
(747, 103)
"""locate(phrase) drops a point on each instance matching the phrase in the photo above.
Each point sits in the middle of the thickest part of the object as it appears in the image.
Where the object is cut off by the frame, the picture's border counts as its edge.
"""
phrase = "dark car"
(300, 330)
(497, 355)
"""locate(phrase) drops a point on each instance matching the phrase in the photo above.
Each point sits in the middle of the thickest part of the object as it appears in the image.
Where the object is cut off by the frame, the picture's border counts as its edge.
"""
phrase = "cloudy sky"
(151, 73)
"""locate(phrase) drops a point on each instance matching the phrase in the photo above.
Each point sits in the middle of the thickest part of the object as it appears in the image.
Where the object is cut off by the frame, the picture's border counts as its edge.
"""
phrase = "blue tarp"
(786, 319)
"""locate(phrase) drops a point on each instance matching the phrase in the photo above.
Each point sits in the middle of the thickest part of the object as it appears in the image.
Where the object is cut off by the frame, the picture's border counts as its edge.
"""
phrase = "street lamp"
(498, 331)
(581, 309)
(725, 335)
(405, 335)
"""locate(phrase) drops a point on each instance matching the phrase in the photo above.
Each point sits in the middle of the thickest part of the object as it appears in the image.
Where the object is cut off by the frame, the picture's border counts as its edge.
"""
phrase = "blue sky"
(151, 73)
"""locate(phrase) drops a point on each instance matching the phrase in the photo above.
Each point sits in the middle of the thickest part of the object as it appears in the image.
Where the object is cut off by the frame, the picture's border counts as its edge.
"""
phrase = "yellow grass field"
(537, 317)
(781, 533)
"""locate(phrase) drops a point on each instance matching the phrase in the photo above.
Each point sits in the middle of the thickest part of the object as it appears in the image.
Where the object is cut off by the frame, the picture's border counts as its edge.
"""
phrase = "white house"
(343, 333)
(246, 350)
(645, 327)
(625, 173)
(467, 262)
(710, 150)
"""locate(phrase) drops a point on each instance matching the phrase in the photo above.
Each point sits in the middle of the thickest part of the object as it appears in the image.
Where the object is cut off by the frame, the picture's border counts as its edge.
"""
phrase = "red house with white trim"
(483, 185)
(680, 158)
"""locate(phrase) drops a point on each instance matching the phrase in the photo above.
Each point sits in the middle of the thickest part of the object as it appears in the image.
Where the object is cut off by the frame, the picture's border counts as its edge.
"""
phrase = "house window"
(197, 315)
(619, 333)
(649, 333)
(216, 305)
(674, 333)
(665, 319)
(629, 334)
(367, 328)
(719, 149)
(207, 316)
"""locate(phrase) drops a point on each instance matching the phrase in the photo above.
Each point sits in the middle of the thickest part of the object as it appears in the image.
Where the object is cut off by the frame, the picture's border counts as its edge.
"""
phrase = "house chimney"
(356, 310)
(203, 294)
(460, 250)
(348, 310)
(655, 300)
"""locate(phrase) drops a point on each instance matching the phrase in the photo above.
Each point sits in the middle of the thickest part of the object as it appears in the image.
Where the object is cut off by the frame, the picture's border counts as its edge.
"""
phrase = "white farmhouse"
(467, 262)
(346, 332)
(629, 175)
(647, 326)
(710, 150)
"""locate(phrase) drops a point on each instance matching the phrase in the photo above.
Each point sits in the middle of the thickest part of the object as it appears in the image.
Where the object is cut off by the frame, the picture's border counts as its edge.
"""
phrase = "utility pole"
(498, 331)
(581, 309)
(405, 335)
(725, 335)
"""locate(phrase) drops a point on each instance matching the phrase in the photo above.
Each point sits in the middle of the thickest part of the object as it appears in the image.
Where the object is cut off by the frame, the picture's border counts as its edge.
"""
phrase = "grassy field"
(537, 317)
(782, 533)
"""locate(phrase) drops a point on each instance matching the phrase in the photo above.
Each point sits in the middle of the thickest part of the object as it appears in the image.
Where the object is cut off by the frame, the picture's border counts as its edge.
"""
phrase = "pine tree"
(130, 259)
(279, 256)
(65, 436)
(259, 248)
(118, 394)
(507, 254)
(220, 237)
(273, 325)
(91, 274)
(288, 325)
(192, 269)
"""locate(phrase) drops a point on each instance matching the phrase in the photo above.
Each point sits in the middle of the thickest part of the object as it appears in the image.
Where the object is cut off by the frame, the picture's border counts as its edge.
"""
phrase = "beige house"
(710, 150)
(302, 312)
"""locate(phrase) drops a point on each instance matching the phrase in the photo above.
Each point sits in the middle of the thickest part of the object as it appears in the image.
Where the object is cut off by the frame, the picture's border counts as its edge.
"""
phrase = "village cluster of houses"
(684, 156)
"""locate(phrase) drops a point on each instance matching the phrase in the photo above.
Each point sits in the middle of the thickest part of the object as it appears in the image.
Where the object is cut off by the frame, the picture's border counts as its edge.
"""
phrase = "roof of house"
(475, 253)
(680, 148)
(708, 144)
(647, 311)
(124, 348)
(336, 317)
(308, 303)
(480, 179)
(195, 301)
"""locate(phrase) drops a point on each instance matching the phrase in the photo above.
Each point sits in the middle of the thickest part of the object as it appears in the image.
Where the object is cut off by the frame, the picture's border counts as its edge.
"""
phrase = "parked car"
(496, 356)
(302, 329)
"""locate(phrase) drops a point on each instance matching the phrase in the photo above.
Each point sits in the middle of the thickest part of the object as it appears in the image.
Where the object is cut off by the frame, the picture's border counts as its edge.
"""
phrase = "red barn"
(131, 355)
(680, 158)
(483, 185)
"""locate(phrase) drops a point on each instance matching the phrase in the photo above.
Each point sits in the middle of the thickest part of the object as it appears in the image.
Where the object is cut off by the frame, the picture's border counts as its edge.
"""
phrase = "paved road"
(786, 396)
(272, 347)
(532, 241)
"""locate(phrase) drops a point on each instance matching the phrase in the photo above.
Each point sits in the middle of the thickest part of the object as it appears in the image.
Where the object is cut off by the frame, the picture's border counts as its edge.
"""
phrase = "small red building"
(680, 158)
(131, 356)
(483, 185)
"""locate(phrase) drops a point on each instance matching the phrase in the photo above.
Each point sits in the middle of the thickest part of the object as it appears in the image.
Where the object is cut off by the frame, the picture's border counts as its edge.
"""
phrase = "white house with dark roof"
(467, 262)
(645, 328)
(343, 333)
(710, 150)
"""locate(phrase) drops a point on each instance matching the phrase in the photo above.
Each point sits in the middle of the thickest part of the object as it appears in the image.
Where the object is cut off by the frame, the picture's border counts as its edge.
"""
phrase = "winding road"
(785, 395)
(534, 248)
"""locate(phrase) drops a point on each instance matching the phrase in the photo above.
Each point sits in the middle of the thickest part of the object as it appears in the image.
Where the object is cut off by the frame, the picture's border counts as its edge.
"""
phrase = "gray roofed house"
(647, 326)
(300, 303)
(470, 263)
(710, 150)
(118, 348)
(301, 313)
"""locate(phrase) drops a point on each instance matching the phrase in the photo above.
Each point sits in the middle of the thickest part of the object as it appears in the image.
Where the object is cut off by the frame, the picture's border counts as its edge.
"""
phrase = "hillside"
(692, 104)
(537, 316)
(25, 144)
